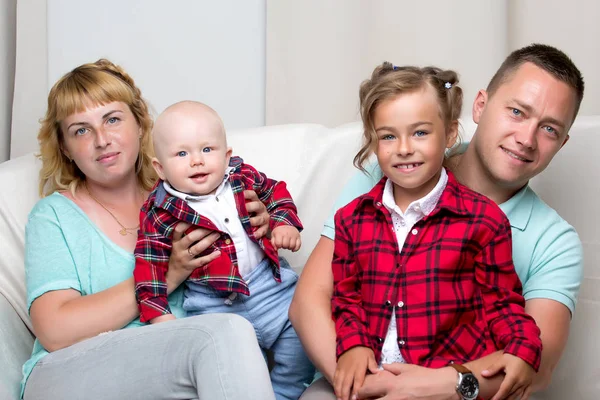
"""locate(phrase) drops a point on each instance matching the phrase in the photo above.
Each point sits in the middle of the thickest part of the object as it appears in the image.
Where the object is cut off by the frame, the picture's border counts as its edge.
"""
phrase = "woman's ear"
(66, 153)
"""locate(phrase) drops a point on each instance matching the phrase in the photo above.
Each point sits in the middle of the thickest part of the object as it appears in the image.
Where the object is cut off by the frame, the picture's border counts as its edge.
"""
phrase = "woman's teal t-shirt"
(64, 249)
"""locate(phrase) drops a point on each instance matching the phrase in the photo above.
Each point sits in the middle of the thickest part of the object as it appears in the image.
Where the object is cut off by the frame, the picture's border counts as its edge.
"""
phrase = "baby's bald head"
(186, 117)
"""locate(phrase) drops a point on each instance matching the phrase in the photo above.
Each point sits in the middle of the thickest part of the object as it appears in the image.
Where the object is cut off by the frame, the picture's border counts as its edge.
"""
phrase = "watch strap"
(461, 368)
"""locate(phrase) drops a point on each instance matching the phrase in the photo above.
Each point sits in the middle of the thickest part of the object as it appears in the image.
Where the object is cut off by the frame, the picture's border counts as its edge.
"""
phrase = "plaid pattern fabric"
(456, 294)
(162, 212)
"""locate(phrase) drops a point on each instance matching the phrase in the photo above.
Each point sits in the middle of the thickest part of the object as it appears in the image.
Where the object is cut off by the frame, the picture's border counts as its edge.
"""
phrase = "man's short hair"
(548, 58)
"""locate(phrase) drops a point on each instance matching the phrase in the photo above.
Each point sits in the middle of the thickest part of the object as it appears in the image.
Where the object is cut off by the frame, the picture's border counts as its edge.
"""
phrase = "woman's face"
(104, 142)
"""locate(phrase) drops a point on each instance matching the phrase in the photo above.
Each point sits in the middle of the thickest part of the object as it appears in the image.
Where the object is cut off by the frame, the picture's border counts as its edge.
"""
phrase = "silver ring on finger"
(190, 252)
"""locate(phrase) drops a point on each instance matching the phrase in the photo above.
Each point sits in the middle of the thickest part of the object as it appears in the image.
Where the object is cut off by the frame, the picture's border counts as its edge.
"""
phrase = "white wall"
(8, 9)
(185, 49)
(318, 52)
(572, 27)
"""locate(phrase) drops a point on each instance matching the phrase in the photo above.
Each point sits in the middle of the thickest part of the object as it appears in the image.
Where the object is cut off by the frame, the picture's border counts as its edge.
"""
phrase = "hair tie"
(447, 85)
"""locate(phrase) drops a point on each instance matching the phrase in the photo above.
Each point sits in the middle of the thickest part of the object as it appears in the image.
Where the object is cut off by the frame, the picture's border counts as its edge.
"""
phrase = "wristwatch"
(467, 385)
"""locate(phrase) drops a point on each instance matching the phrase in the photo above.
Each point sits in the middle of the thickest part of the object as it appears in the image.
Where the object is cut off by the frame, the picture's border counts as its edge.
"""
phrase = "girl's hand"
(183, 259)
(351, 369)
(259, 217)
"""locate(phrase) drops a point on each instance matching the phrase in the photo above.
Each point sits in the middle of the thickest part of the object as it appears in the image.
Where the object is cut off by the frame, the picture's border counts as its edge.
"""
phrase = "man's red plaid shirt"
(162, 212)
(456, 294)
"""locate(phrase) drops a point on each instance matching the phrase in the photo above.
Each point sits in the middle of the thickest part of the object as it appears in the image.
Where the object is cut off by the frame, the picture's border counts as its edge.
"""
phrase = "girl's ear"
(452, 134)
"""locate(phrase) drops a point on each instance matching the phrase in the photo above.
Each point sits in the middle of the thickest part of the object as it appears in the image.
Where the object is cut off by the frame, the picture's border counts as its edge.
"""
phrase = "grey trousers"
(319, 390)
(207, 357)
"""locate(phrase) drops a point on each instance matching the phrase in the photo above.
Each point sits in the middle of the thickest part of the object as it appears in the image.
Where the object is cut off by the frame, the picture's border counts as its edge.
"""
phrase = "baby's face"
(192, 153)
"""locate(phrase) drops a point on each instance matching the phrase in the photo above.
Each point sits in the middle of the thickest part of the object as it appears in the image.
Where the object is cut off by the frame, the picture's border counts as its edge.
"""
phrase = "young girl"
(422, 265)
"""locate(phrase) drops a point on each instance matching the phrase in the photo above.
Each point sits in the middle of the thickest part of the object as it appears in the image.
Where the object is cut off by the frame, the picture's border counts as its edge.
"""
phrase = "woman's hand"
(259, 217)
(183, 259)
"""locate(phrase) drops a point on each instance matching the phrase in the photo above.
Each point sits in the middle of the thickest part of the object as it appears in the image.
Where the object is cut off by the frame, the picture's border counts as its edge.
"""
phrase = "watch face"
(469, 387)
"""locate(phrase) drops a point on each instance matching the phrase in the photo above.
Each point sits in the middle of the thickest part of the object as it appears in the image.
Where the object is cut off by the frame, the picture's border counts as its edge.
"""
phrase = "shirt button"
(402, 222)
(378, 204)
(379, 340)
(400, 304)
(388, 303)
(226, 220)
(417, 208)
(217, 199)
(414, 231)
(401, 342)
(227, 241)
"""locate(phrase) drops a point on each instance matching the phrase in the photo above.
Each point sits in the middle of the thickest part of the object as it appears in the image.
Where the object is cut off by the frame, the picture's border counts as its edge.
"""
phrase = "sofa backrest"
(571, 185)
(18, 178)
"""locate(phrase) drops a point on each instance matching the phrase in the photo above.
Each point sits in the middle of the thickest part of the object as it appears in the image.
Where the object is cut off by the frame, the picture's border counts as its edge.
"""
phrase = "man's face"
(522, 125)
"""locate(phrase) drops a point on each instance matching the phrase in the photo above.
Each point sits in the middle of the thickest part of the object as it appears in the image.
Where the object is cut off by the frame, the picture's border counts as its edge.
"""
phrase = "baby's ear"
(228, 155)
(158, 168)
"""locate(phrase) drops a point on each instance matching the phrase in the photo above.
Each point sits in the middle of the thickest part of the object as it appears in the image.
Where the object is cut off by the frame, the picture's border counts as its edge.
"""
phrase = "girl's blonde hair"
(389, 81)
(96, 83)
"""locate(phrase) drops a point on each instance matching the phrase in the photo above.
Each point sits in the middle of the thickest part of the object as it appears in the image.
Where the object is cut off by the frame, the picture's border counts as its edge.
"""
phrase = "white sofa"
(316, 162)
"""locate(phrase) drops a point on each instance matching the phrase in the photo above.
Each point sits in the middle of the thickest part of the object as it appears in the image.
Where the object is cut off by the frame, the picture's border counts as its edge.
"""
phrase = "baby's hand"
(518, 377)
(162, 318)
(286, 237)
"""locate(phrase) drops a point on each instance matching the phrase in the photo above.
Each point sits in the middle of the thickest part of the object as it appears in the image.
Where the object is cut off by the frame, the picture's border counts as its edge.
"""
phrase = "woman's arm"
(61, 318)
(310, 311)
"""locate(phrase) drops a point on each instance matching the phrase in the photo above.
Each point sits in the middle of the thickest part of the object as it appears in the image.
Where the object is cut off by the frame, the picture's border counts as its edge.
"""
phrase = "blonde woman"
(96, 172)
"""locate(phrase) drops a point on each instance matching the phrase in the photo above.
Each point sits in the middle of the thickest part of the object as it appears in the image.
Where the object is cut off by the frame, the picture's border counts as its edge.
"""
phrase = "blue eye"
(182, 154)
(420, 133)
(550, 129)
(80, 131)
(112, 120)
(516, 112)
(206, 150)
(387, 137)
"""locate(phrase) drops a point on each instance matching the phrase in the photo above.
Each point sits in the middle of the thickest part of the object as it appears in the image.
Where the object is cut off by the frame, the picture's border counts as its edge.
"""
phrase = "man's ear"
(158, 168)
(566, 140)
(479, 105)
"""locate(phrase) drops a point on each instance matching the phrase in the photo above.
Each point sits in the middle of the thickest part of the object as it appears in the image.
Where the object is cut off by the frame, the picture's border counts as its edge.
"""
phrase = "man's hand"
(410, 382)
(286, 237)
(351, 369)
(518, 379)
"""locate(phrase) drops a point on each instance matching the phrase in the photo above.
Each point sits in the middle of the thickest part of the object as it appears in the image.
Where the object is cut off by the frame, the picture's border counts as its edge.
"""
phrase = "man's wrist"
(450, 379)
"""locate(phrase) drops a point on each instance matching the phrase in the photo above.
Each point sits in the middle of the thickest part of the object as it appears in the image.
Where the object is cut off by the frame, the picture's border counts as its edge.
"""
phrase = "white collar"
(423, 206)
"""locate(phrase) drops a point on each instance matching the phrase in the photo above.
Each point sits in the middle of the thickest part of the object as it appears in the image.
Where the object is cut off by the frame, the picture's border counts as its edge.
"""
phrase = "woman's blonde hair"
(96, 83)
(389, 81)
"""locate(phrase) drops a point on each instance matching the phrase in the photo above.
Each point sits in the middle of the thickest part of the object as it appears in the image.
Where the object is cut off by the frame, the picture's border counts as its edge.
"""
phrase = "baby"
(202, 184)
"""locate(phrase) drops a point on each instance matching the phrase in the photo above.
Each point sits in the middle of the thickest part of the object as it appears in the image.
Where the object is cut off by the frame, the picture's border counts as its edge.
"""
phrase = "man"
(523, 118)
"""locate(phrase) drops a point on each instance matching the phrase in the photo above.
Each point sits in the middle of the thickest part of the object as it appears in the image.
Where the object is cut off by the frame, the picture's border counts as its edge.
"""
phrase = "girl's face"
(412, 140)
(104, 142)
